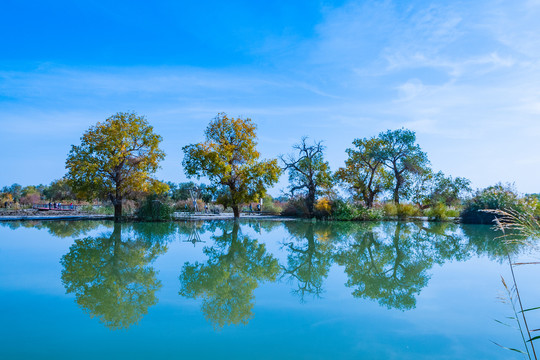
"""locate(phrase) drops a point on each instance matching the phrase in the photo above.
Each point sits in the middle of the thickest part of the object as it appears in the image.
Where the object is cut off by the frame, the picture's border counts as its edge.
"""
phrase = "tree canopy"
(403, 157)
(364, 173)
(115, 160)
(230, 161)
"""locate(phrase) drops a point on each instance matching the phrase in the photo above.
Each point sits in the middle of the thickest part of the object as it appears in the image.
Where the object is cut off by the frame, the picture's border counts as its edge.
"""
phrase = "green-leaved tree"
(364, 173)
(230, 160)
(115, 160)
(403, 157)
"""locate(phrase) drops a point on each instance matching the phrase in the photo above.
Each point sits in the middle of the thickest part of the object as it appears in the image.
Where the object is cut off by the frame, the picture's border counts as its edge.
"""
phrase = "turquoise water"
(257, 290)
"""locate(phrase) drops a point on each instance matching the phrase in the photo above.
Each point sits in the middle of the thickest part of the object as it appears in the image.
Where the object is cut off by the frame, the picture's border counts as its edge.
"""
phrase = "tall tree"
(448, 190)
(115, 160)
(309, 173)
(59, 190)
(364, 173)
(15, 190)
(229, 159)
(402, 156)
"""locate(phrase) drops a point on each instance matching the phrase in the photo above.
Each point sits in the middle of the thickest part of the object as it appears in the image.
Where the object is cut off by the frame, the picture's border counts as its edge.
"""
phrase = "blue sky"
(464, 75)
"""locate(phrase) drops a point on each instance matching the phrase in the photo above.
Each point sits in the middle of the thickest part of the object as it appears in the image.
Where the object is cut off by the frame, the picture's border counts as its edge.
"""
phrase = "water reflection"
(58, 228)
(236, 265)
(309, 256)
(111, 277)
(389, 262)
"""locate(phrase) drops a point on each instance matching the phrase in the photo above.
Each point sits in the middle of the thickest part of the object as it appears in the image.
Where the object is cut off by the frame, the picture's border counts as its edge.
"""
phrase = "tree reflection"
(236, 265)
(484, 241)
(60, 228)
(111, 277)
(309, 255)
(389, 263)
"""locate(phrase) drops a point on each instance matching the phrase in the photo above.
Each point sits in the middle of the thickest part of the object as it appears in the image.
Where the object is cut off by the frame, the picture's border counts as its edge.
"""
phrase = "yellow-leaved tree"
(229, 159)
(115, 160)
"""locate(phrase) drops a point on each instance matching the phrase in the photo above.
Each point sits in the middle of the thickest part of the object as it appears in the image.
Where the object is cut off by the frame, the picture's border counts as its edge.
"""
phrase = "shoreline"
(198, 217)
(56, 217)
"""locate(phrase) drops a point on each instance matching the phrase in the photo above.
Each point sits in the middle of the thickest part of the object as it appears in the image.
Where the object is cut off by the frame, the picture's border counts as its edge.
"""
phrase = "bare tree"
(309, 174)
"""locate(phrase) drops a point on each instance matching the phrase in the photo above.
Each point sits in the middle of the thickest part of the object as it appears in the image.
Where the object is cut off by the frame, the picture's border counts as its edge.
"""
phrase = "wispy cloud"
(464, 76)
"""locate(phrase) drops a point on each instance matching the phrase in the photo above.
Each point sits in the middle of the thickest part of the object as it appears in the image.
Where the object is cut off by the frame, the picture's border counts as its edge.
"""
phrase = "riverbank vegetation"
(387, 176)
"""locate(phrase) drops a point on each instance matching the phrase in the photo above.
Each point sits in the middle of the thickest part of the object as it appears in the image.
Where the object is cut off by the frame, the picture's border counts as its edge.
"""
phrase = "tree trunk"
(370, 199)
(397, 188)
(310, 202)
(117, 203)
(236, 211)
(118, 211)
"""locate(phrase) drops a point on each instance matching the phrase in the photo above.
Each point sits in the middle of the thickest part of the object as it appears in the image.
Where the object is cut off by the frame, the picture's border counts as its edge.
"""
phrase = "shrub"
(269, 205)
(452, 213)
(98, 209)
(498, 197)
(407, 210)
(295, 207)
(322, 208)
(187, 205)
(153, 209)
(30, 199)
(438, 212)
(390, 209)
(342, 210)
(371, 214)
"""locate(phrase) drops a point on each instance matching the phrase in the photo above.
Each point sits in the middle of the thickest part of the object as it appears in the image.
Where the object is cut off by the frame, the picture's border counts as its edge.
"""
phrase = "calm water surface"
(257, 290)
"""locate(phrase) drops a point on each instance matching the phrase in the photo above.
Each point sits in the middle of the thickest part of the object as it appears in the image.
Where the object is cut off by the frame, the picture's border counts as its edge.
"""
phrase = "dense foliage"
(115, 160)
(230, 161)
(497, 197)
(154, 209)
(364, 173)
(387, 176)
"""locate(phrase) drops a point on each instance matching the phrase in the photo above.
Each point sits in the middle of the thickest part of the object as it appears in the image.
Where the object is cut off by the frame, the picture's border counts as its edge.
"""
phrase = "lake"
(259, 290)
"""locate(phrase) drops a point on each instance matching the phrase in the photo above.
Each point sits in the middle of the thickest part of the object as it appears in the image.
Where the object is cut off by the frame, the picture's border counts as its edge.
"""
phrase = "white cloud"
(466, 78)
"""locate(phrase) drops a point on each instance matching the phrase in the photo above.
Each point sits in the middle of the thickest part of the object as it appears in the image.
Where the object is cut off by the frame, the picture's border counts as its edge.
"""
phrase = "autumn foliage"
(115, 160)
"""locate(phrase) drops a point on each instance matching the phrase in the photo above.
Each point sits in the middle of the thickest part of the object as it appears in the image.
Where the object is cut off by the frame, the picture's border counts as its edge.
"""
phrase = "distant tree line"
(116, 159)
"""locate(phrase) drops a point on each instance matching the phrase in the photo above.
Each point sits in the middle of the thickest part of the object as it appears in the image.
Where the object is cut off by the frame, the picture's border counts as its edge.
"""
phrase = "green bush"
(452, 213)
(439, 212)
(390, 209)
(346, 211)
(270, 206)
(98, 209)
(502, 197)
(372, 214)
(342, 210)
(407, 210)
(402, 211)
(153, 209)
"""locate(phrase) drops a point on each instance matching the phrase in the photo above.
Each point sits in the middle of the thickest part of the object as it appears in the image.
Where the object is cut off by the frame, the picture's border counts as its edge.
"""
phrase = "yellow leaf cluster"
(115, 158)
(323, 205)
